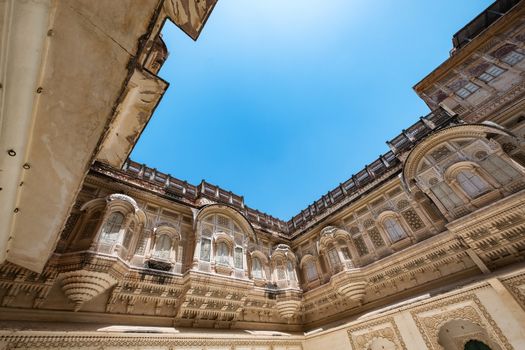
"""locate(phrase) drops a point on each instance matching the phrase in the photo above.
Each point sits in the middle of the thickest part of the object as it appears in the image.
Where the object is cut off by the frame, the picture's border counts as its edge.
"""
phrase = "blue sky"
(280, 101)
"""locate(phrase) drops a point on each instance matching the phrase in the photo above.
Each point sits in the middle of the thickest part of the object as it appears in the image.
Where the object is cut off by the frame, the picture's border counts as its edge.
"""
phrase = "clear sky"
(280, 101)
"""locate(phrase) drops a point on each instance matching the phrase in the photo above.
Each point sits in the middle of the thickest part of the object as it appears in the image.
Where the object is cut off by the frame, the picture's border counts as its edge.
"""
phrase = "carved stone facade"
(432, 318)
(366, 334)
(422, 249)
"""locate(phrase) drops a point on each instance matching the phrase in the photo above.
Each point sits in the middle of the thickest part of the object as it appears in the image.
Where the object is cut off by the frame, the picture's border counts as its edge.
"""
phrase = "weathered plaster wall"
(90, 44)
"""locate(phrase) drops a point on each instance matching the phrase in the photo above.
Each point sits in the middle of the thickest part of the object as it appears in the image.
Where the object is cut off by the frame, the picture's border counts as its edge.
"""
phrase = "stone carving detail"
(354, 291)
(402, 204)
(82, 285)
(413, 220)
(363, 335)
(125, 198)
(204, 201)
(360, 245)
(430, 318)
(103, 341)
(368, 223)
(440, 153)
(288, 308)
(494, 103)
(376, 238)
(517, 288)
(350, 284)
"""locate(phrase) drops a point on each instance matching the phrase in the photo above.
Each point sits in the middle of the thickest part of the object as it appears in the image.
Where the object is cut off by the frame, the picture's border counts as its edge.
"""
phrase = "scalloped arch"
(387, 214)
(223, 237)
(331, 234)
(306, 258)
(284, 251)
(451, 171)
(211, 209)
(450, 133)
(99, 203)
(260, 255)
(119, 197)
(169, 230)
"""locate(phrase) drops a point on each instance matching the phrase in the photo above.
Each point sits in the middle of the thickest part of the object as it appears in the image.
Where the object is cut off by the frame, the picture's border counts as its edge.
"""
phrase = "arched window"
(499, 169)
(311, 270)
(128, 235)
(333, 257)
(205, 249)
(281, 274)
(346, 253)
(257, 268)
(446, 196)
(162, 247)
(91, 224)
(291, 271)
(223, 253)
(237, 258)
(111, 229)
(394, 229)
(471, 183)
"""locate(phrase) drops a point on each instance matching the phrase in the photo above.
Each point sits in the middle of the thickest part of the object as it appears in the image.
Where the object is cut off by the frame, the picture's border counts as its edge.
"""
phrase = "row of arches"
(456, 171)
(454, 334)
(459, 169)
(464, 167)
(339, 249)
(224, 242)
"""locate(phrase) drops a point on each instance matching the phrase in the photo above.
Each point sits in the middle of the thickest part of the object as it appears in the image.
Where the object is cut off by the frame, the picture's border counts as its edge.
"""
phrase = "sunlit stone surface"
(421, 249)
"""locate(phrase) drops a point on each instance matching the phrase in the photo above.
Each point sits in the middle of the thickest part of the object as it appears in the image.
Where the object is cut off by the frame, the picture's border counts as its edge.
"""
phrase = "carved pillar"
(369, 245)
(124, 228)
(438, 203)
(149, 243)
(197, 249)
(118, 246)
(135, 240)
(173, 250)
(421, 213)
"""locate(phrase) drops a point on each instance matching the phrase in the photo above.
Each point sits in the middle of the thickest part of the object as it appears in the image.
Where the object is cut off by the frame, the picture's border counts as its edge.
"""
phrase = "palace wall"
(491, 310)
(423, 248)
(487, 310)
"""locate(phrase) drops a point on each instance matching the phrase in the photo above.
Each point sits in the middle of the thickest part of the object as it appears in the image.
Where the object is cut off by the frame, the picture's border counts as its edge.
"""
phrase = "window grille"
(256, 268)
(112, 228)
(223, 254)
(471, 183)
(162, 247)
(238, 258)
(205, 249)
(446, 196)
(394, 229)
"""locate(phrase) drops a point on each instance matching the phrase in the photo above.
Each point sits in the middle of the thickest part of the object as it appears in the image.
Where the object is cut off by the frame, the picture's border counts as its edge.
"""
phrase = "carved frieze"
(163, 341)
(363, 335)
(82, 285)
(430, 318)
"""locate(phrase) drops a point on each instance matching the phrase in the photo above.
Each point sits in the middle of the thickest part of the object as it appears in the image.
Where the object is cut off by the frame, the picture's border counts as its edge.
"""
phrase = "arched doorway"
(465, 335)
(476, 345)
